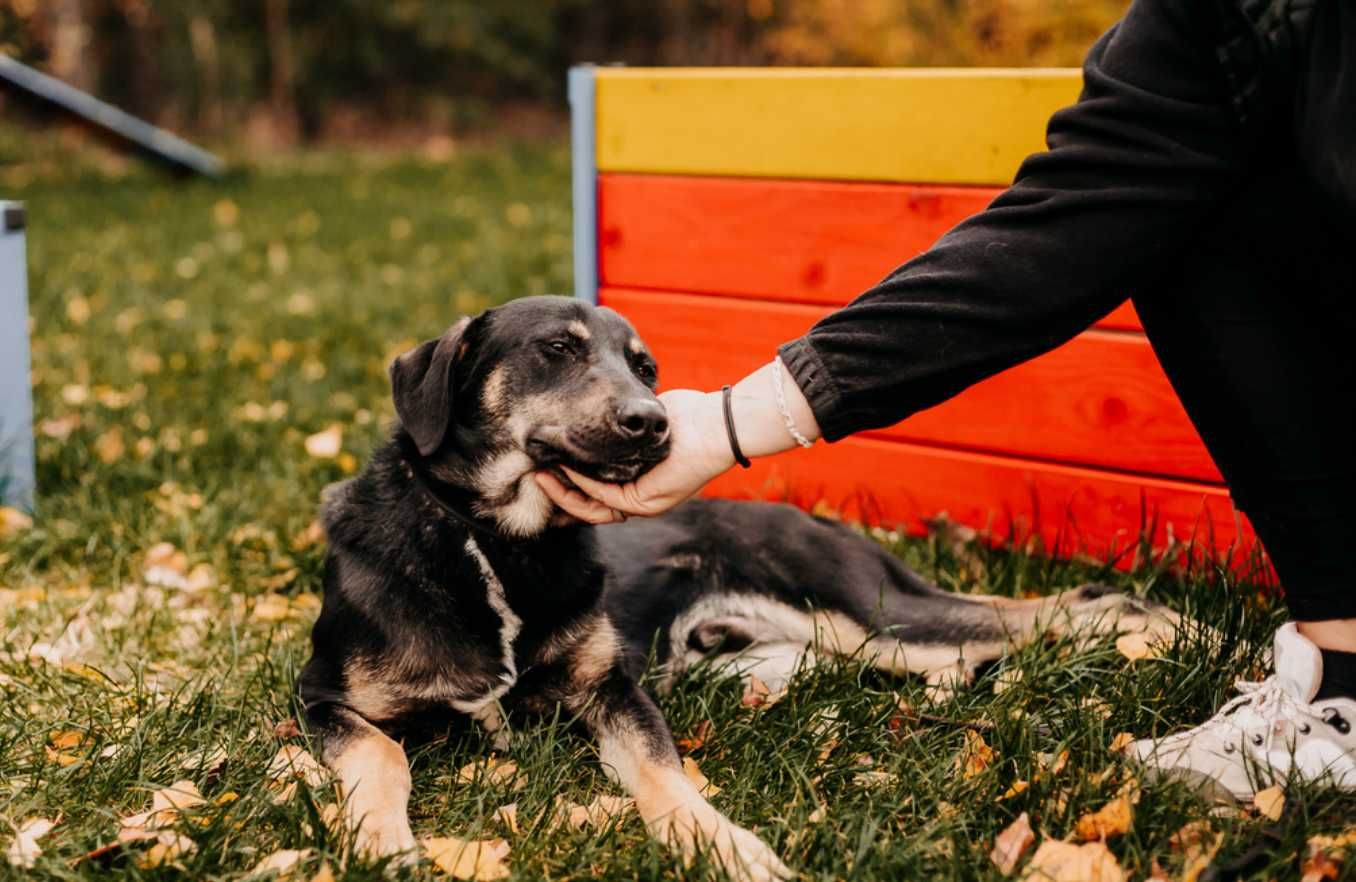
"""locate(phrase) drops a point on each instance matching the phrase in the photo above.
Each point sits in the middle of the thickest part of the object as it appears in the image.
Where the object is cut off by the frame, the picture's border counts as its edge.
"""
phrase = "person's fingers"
(573, 501)
(607, 495)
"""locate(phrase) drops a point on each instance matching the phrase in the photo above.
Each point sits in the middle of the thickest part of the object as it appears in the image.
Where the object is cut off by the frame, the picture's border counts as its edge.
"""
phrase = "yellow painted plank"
(933, 125)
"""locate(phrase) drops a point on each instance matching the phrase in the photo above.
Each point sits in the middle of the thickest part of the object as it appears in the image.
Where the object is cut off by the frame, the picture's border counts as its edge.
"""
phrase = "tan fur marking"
(577, 329)
(492, 394)
(678, 815)
(374, 781)
(635, 345)
(368, 694)
(595, 655)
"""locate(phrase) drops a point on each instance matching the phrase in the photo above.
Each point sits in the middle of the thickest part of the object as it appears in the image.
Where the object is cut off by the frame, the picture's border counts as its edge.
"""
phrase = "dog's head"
(534, 384)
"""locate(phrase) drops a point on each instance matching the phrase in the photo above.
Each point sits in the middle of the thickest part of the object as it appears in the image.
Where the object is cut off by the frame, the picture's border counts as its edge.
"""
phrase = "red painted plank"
(1100, 400)
(800, 241)
(1071, 509)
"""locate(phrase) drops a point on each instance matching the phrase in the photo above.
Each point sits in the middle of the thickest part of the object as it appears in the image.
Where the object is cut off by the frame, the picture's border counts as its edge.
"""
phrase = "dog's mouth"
(615, 463)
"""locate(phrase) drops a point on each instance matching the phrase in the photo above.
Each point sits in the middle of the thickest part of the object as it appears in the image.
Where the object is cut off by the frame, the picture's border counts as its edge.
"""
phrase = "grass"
(188, 337)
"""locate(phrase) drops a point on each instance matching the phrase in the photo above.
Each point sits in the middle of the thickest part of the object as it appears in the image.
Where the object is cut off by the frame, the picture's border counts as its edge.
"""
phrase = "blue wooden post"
(16, 397)
(584, 174)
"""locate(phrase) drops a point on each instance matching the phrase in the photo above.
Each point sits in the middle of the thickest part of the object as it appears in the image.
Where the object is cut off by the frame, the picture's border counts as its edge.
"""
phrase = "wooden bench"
(724, 211)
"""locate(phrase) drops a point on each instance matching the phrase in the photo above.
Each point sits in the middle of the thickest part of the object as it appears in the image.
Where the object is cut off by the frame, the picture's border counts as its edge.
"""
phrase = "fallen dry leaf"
(468, 859)
(694, 774)
(1056, 861)
(874, 778)
(697, 739)
(1198, 842)
(287, 728)
(24, 850)
(1270, 802)
(820, 813)
(492, 770)
(290, 765)
(1112, 819)
(13, 522)
(168, 847)
(326, 443)
(167, 805)
(324, 874)
(271, 608)
(1325, 856)
(1017, 787)
(508, 816)
(1121, 742)
(975, 756)
(1011, 844)
(282, 862)
(756, 693)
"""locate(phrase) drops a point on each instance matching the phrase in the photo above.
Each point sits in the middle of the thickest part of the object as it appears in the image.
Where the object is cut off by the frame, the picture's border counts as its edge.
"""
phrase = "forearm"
(1152, 148)
(760, 422)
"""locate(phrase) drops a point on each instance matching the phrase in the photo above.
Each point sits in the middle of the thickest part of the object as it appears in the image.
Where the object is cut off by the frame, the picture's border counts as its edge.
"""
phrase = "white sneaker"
(1272, 731)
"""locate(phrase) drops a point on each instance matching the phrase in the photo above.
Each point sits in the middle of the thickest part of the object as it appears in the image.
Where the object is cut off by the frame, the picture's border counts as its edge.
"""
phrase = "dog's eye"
(559, 347)
(646, 371)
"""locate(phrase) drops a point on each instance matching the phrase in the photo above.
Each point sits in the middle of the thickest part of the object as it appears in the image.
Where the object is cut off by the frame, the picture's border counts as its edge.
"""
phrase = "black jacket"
(1183, 103)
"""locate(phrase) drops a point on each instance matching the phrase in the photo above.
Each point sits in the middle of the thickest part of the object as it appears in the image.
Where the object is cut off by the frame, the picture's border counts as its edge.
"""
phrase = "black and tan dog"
(451, 584)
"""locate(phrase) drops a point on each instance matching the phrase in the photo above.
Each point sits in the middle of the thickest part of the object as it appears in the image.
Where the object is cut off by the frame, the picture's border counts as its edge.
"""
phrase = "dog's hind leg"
(636, 749)
(374, 782)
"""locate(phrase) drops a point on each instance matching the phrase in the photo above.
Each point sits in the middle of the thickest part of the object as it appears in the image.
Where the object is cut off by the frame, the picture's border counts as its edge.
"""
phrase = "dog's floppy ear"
(421, 386)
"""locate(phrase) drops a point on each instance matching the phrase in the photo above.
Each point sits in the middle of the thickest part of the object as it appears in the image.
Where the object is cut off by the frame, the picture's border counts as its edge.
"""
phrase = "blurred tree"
(312, 66)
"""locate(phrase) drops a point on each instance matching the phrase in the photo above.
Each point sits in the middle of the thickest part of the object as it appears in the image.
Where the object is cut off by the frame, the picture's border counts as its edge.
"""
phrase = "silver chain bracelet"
(777, 368)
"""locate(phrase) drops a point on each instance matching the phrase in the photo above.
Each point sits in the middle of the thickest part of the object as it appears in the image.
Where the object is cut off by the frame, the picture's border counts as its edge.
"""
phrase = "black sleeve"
(1150, 149)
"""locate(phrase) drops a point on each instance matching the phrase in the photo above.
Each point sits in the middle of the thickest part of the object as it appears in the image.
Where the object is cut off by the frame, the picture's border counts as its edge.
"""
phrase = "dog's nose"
(642, 418)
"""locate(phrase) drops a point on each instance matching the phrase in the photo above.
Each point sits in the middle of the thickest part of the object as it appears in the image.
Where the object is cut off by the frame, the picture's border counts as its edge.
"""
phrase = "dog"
(453, 586)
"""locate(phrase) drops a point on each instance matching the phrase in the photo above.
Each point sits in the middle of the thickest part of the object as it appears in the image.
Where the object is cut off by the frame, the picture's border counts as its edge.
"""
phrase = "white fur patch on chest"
(509, 627)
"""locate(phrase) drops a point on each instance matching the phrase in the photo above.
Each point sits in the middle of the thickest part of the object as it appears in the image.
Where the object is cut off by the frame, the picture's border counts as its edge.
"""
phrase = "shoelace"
(1266, 702)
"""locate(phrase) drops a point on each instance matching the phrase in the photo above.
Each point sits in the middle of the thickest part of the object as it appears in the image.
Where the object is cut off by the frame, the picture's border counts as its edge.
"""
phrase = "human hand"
(698, 452)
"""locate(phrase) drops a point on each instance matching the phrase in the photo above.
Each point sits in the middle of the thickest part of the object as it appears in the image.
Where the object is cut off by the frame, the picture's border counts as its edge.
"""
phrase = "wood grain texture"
(1100, 400)
(1069, 509)
(820, 242)
(939, 125)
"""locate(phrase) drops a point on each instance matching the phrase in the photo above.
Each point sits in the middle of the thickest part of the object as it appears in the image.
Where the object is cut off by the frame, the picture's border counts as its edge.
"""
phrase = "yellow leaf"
(109, 446)
(1112, 819)
(975, 755)
(282, 862)
(168, 847)
(694, 774)
(326, 443)
(468, 859)
(324, 874)
(64, 739)
(508, 816)
(1056, 861)
(293, 762)
(1270, 802)
(1121, 742)
(492, 770)
(271, 608)
(13, 522)
(24, 850)
(1011, 844)
(1017, 787)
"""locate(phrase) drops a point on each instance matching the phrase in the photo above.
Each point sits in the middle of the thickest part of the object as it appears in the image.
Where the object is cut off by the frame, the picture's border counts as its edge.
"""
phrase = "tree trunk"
(70, 57)
(281, 92)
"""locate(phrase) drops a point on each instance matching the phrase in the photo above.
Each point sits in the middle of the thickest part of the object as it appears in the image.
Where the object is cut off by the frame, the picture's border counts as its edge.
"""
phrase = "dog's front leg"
(636, 750)
(374, 781)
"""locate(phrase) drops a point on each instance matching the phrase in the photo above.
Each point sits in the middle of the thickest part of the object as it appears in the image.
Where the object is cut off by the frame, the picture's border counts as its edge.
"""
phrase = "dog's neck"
(495, 498)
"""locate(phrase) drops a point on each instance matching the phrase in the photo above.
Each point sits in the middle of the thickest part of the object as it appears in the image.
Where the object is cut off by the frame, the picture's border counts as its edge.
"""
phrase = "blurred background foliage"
(281, 71)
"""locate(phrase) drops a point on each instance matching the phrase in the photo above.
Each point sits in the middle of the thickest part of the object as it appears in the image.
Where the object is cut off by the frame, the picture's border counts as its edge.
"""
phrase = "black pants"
(1256, 331)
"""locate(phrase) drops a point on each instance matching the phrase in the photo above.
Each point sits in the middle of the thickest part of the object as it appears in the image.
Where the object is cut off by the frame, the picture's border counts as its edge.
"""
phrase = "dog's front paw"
(747, 858)
(391, 837)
